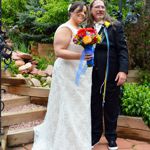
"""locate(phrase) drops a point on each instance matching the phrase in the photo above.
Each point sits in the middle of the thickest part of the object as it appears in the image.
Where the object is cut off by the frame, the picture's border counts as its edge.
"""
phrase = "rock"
(34, 71)
(24, 55)
(36, 82)
(9, 43)
(15, 56)
(34, 62)
(48, 80)
(29, 82)
(43, 79)
(41, 73)
(27, 66)
(19, 63)
(20, 76)
(24, 71)
(49, 70)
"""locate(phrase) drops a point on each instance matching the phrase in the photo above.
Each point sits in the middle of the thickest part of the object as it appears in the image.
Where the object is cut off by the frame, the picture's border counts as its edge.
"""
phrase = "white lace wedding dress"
(67, 124)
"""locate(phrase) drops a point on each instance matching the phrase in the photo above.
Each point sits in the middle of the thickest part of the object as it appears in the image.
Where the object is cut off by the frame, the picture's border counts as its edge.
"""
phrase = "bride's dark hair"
(76, 5)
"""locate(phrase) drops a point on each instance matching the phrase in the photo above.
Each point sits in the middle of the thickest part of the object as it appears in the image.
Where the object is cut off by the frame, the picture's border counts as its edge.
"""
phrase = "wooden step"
(27, 90)
(12, 100)
(21, 135)
(39, 100)
(10, 118)
(3, 138)
(12, 80)
(133, 128)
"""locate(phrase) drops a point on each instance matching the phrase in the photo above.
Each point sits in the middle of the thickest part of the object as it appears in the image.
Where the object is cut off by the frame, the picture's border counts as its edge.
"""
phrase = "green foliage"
(40, 20)
(136, 101)
(10, 8)
(26, 21)
(13, 68)
(55, 12)
(144, 77)
(18, 43)
(113, 7)
(43, 62)
(23, 48)
(138, 40)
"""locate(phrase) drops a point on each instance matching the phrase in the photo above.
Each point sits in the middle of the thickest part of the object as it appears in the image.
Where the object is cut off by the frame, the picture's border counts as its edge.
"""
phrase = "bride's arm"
(62, 39)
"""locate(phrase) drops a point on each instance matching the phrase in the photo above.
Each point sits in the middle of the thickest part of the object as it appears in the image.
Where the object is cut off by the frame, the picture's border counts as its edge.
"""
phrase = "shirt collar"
(98, 23)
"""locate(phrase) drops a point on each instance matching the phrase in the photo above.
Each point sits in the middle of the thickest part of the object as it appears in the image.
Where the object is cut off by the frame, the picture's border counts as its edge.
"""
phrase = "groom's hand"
(121, 78)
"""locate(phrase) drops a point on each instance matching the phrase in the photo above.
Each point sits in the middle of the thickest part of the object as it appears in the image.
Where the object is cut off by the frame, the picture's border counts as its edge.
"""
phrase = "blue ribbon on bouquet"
(89, 49)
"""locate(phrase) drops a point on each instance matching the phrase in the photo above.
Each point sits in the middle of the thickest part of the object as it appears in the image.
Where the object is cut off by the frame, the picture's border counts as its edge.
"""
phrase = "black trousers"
(104, 116)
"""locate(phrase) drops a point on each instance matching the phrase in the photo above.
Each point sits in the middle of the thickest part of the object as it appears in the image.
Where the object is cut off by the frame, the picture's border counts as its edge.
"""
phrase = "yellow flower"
(99, 38)
(87, 40)
(107, 24)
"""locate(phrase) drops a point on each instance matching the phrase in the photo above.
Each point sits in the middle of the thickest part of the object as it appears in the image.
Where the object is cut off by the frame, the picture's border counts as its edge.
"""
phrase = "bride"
(67, 124)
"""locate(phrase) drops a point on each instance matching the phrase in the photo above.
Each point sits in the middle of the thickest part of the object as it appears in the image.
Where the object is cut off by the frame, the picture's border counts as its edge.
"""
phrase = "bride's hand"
(88, 57)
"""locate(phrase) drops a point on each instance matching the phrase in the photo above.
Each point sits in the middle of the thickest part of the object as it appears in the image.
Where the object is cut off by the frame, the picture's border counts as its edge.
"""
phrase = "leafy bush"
(13, 68)
(144, 77)
(43, 62)
(136, 101)
(40, 19)
(128, 7)
(10, 8)
(55, 12)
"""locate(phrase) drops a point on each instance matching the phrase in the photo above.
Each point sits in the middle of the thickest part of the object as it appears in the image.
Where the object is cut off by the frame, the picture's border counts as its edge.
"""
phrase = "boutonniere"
(107, 24)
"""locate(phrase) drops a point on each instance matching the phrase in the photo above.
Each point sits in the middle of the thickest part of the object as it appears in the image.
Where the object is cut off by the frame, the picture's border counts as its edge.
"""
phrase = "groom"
(109, 73)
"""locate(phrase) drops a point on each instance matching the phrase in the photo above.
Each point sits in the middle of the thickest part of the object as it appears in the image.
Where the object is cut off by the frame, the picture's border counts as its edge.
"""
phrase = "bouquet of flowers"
(87, 37)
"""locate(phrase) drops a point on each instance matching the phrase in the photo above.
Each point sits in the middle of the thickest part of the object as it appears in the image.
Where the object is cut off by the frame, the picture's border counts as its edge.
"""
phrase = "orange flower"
(87, 39)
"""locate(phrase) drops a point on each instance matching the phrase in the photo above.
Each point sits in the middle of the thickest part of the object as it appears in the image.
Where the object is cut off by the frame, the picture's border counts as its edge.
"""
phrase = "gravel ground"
(25, 125)
(23, 108)
(6, 96)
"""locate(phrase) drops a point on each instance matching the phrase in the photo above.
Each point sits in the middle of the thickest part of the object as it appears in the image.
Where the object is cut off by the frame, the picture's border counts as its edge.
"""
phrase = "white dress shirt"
(98, 26)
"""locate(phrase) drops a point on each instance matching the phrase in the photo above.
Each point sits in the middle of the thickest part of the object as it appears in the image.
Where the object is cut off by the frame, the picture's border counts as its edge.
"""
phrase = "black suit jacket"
(118, 58)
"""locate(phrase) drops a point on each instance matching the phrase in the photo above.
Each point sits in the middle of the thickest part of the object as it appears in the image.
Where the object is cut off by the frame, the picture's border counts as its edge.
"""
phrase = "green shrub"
(10, 8)
(13, 68)
(113, 7)
(144, 77)
(146, 110)
(55, 12)
(43, 62)
(136, 101)
(40, 19)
